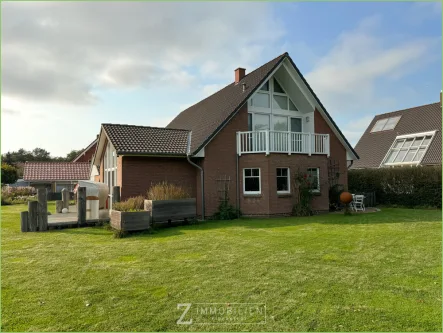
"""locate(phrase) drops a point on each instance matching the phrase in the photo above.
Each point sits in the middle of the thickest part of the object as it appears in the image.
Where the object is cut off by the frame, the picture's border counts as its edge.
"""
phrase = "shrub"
(406, 186)
(226, 211)
(134, 204)
(301, 187)
(9, 174)
(167, 191)
(17, 195)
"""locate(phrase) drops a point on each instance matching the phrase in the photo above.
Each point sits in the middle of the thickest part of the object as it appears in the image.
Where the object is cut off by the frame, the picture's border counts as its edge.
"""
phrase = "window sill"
(284, 195)
(316, 193)
(252, 195)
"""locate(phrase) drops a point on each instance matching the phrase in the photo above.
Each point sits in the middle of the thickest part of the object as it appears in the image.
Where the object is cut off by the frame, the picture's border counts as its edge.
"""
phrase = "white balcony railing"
(282, 142)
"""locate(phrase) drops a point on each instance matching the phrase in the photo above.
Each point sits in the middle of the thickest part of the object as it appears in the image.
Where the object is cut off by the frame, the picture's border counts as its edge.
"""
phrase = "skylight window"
(408, 149)
(385, 124)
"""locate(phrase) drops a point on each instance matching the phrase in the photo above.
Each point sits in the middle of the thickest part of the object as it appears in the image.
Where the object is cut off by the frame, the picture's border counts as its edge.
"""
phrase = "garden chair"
(358, 202)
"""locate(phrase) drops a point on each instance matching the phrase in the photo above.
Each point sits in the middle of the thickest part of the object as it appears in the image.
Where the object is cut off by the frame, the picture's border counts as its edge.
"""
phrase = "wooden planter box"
(171, 210)
(130, 221)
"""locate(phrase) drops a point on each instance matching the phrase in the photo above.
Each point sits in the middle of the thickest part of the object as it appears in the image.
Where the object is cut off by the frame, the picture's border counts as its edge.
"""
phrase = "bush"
(17, 195)
(226, 211)
(134, 204)
(9, 174)
(406, 187)
(167, 191)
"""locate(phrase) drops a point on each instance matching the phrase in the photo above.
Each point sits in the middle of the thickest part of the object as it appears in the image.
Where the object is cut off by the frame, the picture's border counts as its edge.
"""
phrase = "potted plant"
(169, 202)
(129, 215)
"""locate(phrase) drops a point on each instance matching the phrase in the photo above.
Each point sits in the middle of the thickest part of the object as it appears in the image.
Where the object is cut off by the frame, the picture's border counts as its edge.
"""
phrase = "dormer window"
(408, 149)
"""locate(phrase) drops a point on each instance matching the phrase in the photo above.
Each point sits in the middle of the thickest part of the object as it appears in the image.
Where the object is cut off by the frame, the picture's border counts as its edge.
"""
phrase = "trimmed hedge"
(406, 186)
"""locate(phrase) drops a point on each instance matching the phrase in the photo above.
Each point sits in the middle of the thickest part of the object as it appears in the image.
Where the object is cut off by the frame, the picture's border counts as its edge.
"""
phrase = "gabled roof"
(90, 146)
(54, 171)
(144, 140)
(372, 147)
(208, 116)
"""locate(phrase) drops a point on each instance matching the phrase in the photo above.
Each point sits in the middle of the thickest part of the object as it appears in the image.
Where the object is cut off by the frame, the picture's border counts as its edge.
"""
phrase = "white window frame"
(271, 120)
(404, 137)
(244, 182)
(288, 181)
(270, 92)
(316, 190)
(386, 120)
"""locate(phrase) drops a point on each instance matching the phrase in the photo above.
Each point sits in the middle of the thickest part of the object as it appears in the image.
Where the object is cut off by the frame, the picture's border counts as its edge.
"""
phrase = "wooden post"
(42, 209)
(65, 198)
(32, 215)
(81, 205)
(115, 194)
(24, 221)
(58, 206)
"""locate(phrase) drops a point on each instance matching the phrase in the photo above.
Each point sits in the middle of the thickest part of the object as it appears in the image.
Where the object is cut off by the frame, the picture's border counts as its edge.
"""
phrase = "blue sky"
(68, 67)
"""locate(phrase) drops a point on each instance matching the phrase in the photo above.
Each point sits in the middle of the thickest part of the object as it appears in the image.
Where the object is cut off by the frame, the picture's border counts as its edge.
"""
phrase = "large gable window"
(280, 100)
(272, 90)
(385, 124)
(408, 149)
(110, 166)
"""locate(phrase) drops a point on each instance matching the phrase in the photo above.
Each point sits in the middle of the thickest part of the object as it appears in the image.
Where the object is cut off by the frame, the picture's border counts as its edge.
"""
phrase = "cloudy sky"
(67, 67)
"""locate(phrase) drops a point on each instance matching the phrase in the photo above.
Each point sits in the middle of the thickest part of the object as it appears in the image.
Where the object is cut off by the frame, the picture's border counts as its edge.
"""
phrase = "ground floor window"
(251, 181)
(314, 179)
(283, 180)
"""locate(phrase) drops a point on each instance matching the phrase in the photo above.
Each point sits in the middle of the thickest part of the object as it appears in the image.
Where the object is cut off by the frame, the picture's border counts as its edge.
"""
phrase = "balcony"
(282, 142)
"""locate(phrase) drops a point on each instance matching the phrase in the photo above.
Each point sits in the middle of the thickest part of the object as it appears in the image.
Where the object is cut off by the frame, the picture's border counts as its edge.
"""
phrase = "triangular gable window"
(278, 88)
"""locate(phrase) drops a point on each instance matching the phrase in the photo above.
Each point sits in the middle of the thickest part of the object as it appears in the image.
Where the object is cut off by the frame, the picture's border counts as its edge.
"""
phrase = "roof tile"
(372, 147)
(131, 139)
(53, 171)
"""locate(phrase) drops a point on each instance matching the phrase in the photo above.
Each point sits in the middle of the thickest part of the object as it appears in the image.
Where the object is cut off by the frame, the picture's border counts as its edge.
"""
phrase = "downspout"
(238, 188)
(349, 166)
(202, 174)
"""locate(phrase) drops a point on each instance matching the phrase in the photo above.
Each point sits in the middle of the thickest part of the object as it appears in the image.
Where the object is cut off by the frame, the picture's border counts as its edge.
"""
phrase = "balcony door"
(296, 135)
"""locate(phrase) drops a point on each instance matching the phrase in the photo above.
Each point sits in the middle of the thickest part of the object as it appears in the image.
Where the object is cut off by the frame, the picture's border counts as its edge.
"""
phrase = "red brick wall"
(269, 202)
(138, 173)
(338, 151)
(88, 154)
(220, 161)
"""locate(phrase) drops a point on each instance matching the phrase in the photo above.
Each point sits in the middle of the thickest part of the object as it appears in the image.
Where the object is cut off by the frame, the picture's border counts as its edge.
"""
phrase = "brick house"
(87, 154)
(55, 176)
(254, 134)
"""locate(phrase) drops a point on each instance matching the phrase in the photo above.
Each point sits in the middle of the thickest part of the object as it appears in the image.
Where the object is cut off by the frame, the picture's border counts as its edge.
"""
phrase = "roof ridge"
(165, 128)
(407, 109)
(216, 92)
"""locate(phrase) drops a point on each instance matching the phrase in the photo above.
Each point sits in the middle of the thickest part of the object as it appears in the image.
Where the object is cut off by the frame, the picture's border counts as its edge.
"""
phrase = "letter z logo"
(187, 306)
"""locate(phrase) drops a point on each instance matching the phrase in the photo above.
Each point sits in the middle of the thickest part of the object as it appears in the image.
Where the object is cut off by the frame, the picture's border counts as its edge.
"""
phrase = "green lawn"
(372, 272)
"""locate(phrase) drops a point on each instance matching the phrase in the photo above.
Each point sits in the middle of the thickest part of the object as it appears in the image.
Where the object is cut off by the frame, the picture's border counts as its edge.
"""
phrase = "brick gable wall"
(88, 154)
(338, 151)
(139, 172)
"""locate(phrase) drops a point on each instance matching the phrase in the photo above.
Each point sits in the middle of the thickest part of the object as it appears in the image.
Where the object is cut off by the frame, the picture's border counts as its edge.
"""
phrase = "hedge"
(406, 186)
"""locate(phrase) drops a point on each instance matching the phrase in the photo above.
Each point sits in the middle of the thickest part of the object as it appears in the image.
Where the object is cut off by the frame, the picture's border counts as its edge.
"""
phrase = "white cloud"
(64, 52)
(354, 129)
(346, 77)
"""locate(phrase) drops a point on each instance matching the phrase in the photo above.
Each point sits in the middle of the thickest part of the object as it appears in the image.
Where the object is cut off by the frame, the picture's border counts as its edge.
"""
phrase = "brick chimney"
(239, 74)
